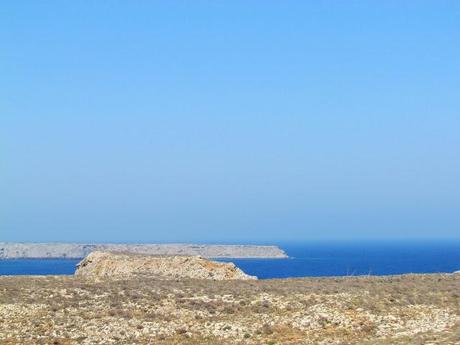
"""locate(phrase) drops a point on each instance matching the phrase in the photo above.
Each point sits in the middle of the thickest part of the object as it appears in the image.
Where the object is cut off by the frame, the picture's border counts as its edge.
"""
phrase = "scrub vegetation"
(407, 309)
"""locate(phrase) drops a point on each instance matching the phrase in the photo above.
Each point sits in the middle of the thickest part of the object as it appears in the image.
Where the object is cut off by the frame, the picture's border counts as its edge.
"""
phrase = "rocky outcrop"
(79, 250)
(109, 265)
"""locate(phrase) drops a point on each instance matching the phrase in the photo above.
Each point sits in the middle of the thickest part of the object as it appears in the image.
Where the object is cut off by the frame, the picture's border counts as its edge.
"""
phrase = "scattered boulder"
(111, 265)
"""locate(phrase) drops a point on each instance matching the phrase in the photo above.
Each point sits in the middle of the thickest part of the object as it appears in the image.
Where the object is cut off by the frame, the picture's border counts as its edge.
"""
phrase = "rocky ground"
(410, 309)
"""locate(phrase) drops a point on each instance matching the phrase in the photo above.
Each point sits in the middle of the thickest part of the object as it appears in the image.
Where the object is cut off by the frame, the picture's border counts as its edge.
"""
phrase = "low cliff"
(106, 265)
(79, 250)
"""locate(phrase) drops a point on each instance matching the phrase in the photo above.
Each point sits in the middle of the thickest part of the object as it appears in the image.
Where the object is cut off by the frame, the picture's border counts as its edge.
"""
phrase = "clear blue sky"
(229, 120)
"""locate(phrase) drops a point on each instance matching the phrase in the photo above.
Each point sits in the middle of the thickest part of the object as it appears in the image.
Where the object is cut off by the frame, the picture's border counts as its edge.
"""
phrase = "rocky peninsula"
(79, 250)
(108, 265)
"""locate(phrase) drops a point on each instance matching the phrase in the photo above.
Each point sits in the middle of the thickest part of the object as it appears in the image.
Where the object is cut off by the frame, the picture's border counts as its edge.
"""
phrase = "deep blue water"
(312, 259)
(341, 259)
(37, 266)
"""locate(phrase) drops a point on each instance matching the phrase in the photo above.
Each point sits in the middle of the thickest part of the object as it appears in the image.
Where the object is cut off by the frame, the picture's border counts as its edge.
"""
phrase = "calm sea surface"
(312, 259)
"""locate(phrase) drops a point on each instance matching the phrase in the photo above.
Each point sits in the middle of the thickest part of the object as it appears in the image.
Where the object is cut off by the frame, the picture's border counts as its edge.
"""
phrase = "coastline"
(9, 250)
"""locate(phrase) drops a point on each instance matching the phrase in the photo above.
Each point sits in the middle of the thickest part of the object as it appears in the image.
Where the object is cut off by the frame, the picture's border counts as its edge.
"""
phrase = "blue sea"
(308, 260)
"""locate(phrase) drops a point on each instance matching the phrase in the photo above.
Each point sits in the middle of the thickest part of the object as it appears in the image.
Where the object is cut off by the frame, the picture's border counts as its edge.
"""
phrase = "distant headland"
(78, 250)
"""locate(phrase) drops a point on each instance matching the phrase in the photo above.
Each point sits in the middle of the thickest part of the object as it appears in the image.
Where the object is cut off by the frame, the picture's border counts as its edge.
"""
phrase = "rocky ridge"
(109, 265)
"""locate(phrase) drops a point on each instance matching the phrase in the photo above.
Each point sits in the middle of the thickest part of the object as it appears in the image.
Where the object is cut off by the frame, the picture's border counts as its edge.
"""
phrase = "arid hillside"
(410, 309)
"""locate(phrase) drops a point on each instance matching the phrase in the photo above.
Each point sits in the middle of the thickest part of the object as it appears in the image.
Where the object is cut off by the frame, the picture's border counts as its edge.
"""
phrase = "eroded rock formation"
(110, 265)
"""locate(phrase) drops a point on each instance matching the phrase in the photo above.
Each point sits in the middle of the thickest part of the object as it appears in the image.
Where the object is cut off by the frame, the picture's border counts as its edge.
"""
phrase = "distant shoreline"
(207, 257)
(9, 250)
